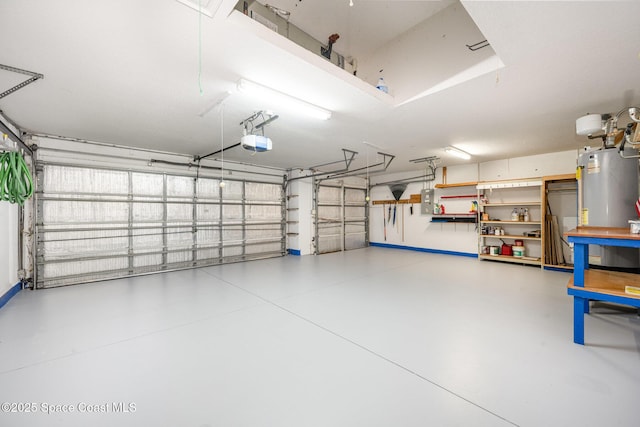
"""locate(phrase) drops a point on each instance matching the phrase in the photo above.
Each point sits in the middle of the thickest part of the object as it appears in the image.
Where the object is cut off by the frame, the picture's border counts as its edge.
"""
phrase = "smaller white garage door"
(340, 218)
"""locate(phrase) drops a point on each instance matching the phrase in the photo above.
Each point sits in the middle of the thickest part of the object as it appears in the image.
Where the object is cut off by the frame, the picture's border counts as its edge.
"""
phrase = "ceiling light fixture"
(351, 3)
(458, 153)
(283, 100)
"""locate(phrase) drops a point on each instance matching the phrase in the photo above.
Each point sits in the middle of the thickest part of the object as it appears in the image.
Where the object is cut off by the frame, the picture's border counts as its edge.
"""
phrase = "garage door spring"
(16, 184)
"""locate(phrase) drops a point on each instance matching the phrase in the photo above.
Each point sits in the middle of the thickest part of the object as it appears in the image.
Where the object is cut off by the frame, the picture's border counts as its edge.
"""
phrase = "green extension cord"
(16, 184)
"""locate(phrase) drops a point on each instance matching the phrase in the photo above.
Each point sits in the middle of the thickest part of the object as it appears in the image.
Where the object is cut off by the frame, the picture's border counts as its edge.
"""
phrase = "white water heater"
(609, 192)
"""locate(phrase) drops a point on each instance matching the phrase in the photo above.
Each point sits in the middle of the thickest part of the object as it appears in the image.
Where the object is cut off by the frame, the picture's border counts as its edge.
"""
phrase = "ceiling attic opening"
(418, 48)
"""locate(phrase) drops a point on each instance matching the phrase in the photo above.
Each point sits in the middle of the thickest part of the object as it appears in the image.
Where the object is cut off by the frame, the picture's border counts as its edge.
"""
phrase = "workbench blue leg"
(579, 304)
(581, 263)
(586, 306)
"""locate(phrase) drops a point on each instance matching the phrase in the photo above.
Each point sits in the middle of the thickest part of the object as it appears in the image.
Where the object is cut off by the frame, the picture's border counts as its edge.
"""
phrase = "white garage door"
(341, 218)
(95, 224)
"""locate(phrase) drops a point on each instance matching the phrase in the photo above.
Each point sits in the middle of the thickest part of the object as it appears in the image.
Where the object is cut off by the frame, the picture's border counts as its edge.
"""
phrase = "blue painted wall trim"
(431, 251)
(10, 294)
(563, 270)
(294, 252)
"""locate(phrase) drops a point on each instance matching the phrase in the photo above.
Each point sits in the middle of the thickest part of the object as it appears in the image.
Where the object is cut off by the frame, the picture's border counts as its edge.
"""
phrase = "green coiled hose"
(16, 184)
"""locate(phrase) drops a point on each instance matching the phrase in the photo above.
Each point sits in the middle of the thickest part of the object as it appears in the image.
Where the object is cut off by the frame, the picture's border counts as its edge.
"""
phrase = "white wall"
(8, 241)
(420, 232)
(299, 215)
(9, 246)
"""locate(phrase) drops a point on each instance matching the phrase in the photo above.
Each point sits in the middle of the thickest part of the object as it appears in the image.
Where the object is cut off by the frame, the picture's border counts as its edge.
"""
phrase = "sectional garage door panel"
(341, 218)
(95, 224)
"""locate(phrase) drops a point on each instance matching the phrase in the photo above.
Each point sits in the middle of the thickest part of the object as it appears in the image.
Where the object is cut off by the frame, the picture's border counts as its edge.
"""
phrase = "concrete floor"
(372, 337)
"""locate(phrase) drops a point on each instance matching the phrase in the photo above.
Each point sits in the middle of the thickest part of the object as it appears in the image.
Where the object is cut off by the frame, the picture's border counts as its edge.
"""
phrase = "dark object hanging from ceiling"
(397, 190)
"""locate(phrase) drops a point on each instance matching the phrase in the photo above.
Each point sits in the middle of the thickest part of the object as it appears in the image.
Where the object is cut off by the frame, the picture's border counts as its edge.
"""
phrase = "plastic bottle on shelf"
(441, 208)
(526, 215)
(382, 85)
(514, 215)
(521, 215)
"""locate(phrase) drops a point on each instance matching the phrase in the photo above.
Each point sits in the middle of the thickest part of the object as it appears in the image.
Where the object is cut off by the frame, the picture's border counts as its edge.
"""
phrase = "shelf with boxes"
(511, 219)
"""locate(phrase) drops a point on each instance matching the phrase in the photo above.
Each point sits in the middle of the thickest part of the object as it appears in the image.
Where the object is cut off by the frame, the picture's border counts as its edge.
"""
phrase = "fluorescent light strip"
(282, 99)
(458, 153)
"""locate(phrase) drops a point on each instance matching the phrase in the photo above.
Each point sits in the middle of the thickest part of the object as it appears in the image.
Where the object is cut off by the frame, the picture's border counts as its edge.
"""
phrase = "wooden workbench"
(598, 285)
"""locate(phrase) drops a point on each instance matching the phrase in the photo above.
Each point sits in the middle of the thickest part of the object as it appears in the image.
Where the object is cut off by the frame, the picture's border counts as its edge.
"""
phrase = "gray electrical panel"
(426, 205)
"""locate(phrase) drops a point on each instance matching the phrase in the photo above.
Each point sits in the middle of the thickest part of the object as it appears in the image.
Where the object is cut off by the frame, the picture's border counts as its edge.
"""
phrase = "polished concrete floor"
(372, 337)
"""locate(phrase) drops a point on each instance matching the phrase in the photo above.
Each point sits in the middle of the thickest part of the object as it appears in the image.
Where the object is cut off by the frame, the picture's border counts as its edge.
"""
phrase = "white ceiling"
(127, 72)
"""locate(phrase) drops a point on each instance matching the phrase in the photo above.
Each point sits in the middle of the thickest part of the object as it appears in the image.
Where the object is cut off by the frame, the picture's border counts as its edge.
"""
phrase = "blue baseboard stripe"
(431, 251)
(10, 294)
(563, 270)
(294, 252)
